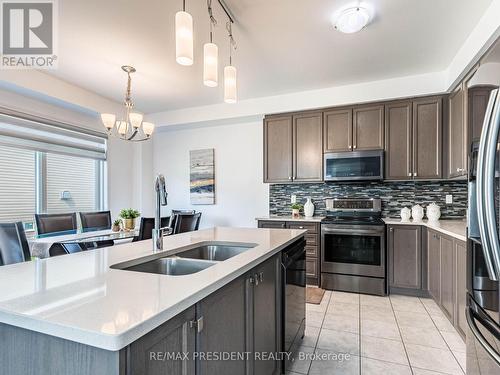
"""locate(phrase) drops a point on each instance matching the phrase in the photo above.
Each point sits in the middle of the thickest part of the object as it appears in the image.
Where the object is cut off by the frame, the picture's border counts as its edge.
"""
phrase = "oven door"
(353, 249)
(352, 166)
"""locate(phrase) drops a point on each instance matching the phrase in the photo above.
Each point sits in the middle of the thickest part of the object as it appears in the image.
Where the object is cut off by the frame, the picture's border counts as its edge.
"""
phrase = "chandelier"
(130, 127)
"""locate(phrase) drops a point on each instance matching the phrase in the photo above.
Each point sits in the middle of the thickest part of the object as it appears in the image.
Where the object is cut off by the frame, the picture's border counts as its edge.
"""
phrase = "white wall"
(240, 193)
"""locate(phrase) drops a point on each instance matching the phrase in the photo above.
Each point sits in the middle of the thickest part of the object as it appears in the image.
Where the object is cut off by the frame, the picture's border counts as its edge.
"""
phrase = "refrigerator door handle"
(485, 187)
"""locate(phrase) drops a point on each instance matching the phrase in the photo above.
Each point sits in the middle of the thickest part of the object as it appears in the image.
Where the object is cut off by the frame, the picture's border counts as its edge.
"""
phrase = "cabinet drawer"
(310, 227)
(272, 224)
(312, 267)
(311, 239)
(312, 251)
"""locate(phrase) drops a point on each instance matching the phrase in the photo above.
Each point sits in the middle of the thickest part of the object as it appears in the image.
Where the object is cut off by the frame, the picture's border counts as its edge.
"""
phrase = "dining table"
(39, 247)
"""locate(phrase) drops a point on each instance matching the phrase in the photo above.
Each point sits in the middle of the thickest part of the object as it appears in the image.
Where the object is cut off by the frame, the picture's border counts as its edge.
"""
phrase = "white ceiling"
(283, 46)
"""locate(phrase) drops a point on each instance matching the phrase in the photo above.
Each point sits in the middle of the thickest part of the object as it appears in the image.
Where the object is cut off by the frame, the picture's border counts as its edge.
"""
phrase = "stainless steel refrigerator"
(483, 247)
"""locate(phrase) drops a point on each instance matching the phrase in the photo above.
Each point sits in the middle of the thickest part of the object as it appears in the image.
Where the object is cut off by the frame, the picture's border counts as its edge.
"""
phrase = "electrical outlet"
(293, 199)
(449, 199)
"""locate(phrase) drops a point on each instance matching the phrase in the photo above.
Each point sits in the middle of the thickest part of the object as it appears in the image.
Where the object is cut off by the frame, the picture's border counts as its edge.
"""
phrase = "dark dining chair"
(146, 227)
(173, 217)
(187, 223)
(92, 221)
(61, 248)
(13, 244)
(48, 225)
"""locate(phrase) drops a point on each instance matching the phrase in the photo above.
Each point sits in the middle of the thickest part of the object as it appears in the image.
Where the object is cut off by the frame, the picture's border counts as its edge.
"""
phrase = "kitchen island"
(82, 314)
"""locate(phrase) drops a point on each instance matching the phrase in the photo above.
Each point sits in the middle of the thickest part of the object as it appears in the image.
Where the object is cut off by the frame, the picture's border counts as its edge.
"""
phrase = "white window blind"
(17, 184)
(72, 184)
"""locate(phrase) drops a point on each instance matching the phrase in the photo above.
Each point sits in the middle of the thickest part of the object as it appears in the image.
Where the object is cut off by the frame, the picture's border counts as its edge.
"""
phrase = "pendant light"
(184, 37)
(210, 55)
(230, 87)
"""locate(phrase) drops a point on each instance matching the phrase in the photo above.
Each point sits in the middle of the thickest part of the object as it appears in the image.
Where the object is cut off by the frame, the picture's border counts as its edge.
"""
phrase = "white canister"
(405, 214)
(309, 208)
(433, 212)
(417, 213)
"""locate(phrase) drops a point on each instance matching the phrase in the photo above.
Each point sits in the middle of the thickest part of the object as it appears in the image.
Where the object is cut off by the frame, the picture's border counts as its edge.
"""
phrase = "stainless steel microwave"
(354, 165)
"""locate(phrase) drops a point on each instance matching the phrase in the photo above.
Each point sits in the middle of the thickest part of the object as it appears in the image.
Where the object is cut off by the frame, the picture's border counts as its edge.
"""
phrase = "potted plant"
(116, 225)
(128, 216)
(296, 210)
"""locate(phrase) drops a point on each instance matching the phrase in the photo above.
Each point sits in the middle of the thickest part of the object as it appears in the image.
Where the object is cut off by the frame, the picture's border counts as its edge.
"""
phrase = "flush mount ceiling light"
(351, 20)
(130, 127)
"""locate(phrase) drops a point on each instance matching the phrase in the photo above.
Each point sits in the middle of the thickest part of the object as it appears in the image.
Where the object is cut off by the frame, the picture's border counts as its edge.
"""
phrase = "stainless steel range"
(353, 254)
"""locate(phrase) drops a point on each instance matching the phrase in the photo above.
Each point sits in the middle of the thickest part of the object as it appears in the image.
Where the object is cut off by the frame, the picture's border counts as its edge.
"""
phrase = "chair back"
(60, 248)
(92, 221)
(187, 223)
(48, 225)
(13, 244)
(147, 225)
(173, 219)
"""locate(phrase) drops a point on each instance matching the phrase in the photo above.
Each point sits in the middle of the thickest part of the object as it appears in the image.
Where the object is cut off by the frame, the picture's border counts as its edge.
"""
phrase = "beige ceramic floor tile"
(405, 318)
(383, 349)
(461, 359)
(369, 300)
(454, 341)
(336, 365)
(434, 359)
(314, 319)
(299, 365)
(342, 308)
(378, 313)
(374, 367)
(339, 341)
(443, 324)
(341, 323)
(345, 297)
(311, 336)
(422, 336)
(385, 330)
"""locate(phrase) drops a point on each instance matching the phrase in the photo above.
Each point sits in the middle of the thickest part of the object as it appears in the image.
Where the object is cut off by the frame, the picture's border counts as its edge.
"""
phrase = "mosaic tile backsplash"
(394, 195)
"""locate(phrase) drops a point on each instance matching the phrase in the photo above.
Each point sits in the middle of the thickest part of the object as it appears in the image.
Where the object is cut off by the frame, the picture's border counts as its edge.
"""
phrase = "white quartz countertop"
(313, 219)
(454, 228)
(79, 298)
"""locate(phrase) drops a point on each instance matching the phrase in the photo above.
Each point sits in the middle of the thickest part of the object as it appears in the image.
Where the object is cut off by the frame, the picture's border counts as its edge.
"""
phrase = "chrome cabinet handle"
(261, 277)
(409, 174)
(289, 177)
(415, 174)
(485, 186)
(256, 278)
(354, 146)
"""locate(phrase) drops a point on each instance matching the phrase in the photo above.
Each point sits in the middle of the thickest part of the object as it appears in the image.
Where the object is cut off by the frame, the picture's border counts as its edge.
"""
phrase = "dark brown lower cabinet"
(434, 273)
(405, 256)
(447, 276)
(461, 286)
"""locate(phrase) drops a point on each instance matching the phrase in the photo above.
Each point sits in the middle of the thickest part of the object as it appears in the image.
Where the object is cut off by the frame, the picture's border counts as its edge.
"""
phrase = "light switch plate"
(293, 199)
(449, 199)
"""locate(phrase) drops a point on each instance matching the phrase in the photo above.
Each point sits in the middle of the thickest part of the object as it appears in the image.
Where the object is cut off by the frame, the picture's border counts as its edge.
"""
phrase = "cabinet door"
(457, 156)
(398, 141)
(265, 315)
(338, 130)
(447, 276)
(461, 285)
(224, 328)
(368, 127)
(311, 268)
(405, 256)
(478, 98)
(434, 265)
(427, 138)
(308, 147)
(174, 336)
(271, 224)
(278, 149)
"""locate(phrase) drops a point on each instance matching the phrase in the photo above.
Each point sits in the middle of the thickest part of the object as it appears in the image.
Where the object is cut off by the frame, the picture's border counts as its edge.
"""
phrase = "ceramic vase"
(309, 208)
(417, 213)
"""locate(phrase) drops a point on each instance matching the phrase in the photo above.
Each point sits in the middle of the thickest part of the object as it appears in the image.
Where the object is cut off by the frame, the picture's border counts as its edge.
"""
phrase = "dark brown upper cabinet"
(293, 148)
(398, 141)
(368, 127)
(338, 130)
(457, 135)
(478, 98)
(278, 149)
(427, 138)
(307, 142)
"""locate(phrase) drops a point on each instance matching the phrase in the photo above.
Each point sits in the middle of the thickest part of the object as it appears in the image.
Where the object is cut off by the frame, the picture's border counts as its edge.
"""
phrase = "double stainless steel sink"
(190, 260)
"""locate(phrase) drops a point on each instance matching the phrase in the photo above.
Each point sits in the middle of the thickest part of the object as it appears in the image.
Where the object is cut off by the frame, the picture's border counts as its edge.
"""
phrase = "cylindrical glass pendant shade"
(210, 64)
(230, 88)
(184, 38)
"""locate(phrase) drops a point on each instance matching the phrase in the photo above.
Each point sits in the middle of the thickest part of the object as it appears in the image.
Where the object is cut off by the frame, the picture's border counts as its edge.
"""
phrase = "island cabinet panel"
(278, 149)
(307, 147)
(434, 271)
(224, 317)
(457, 135)
(447, 276)
(338, 130)
(147, 356)
(427, 138)
(477, 102)
(368, 127)
(272, 224)
(405, 256)
(398, 141)
(461, 286)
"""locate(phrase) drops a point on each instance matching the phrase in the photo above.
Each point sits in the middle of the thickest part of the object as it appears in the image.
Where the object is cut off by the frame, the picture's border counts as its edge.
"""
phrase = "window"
(47, 168)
